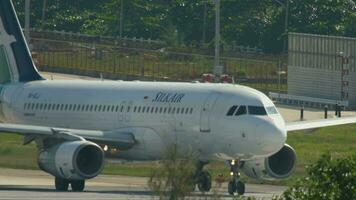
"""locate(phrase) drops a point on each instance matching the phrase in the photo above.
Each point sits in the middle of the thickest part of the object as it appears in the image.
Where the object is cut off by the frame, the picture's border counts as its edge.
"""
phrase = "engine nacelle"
(75, 160)
(278, 166)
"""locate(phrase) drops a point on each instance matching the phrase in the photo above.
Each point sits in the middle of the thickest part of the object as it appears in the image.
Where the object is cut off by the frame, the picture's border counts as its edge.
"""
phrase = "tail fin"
(16, 63)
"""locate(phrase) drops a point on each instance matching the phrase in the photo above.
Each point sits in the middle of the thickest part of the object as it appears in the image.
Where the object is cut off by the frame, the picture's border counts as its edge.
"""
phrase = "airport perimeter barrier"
(307, 101)
(231, 49)
(126, 63)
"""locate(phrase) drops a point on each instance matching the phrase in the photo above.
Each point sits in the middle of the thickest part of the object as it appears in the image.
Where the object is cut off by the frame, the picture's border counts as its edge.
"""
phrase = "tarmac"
(37, 185)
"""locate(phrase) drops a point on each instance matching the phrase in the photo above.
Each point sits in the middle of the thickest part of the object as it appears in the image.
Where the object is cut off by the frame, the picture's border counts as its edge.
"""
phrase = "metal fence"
(131, 63)
(322, 66)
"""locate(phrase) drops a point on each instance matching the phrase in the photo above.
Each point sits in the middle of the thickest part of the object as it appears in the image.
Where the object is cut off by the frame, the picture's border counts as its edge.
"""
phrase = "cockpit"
(238, 110)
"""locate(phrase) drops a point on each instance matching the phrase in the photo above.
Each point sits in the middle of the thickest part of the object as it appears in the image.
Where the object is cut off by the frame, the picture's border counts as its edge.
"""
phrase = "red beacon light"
(225, 78)
(208, 78)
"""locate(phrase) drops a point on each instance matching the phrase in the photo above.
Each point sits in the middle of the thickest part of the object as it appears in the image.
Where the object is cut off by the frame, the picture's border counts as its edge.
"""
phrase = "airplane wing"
(122, 139)
(313, 124)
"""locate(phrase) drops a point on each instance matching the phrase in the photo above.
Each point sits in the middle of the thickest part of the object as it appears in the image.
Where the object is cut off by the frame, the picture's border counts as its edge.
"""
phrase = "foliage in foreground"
(173, 179)
(328, 178)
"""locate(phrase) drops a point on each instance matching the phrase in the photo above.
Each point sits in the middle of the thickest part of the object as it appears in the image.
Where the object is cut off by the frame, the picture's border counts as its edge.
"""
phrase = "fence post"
(302, 114)
(325, 112)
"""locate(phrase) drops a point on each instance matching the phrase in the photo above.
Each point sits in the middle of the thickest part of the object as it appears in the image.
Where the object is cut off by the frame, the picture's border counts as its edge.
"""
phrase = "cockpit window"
(271, 110)
(231, 111)
(257, 110)
(241, 111)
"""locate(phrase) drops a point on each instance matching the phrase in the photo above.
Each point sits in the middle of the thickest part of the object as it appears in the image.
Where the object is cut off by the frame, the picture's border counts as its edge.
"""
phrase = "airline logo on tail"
(8, 69)
(15, 59)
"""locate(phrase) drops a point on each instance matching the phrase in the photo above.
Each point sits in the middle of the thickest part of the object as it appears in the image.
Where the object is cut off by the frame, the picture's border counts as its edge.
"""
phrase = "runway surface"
(37, 185)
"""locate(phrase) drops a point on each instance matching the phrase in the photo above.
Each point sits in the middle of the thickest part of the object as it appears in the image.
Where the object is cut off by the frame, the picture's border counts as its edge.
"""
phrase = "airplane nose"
(273, 135)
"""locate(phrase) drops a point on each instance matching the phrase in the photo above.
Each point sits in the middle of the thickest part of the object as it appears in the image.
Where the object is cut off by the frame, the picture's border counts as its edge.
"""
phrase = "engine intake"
(278, 166)
(76, 160)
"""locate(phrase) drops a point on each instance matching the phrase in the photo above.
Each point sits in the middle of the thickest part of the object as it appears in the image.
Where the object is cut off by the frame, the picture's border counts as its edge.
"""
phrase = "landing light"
(233, 162)
(231, 173)
(106, 148)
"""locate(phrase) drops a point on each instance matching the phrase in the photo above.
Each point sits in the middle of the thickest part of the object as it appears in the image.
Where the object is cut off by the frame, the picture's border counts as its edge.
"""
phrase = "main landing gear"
(202, 178)
(235, 184)
(63, 184)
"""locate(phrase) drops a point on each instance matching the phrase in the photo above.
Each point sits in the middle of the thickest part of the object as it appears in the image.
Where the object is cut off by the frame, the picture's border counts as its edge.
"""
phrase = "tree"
(328, 178)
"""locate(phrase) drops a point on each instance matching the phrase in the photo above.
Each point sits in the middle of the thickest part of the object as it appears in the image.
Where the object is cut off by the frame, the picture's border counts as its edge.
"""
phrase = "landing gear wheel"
(240, 188)
(231, 187)
(235, 185)
(61, 184)
(204, 181)
(78, 186)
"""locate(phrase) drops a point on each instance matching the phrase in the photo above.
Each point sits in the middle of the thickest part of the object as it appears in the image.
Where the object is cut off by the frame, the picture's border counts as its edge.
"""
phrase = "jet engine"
(278, 166)
(74, 160)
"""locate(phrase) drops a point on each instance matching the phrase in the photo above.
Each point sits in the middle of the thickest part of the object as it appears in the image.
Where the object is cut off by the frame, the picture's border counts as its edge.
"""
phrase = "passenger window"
(152, 109)
(165, 110)
(135, 108)
(231, 111)
(139, 109)
(160, 110)
(156, 111)
(33, 106)
(186, 110)
(128, 108)
(178, 110)
(256, 110)
(191, 111)
(241, 111)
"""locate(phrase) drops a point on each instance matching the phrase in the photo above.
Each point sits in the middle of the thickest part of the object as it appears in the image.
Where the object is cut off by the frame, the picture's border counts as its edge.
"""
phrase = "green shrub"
(328, 178)
(174, 178)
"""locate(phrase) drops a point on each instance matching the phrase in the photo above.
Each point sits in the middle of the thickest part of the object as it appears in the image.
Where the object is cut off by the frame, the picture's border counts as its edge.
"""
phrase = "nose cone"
(273, 135)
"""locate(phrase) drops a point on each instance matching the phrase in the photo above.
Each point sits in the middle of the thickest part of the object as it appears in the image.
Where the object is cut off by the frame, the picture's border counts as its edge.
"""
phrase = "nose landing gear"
(235, 184)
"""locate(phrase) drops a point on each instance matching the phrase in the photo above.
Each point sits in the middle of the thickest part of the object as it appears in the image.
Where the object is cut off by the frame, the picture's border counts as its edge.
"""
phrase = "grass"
(339, 141)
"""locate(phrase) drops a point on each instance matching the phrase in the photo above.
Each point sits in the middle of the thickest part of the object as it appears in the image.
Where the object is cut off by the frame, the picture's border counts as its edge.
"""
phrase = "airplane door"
(128, 111)
(122, 110)
(205, 114)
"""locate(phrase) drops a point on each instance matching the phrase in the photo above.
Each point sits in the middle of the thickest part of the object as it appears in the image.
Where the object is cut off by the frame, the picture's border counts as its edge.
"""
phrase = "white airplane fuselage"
(193, 115)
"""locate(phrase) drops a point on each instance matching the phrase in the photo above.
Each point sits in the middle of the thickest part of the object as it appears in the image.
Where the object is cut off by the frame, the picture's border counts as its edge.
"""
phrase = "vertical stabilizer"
(16, 64)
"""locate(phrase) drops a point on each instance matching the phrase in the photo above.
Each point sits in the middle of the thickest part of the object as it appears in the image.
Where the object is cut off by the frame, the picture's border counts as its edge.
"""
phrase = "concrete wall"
(314, 68)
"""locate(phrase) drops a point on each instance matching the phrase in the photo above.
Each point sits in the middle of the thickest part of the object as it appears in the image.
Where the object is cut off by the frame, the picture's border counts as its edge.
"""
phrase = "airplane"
(76, 124)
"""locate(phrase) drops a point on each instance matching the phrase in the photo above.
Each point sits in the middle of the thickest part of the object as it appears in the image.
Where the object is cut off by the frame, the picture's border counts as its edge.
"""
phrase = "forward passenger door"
(206, 112)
